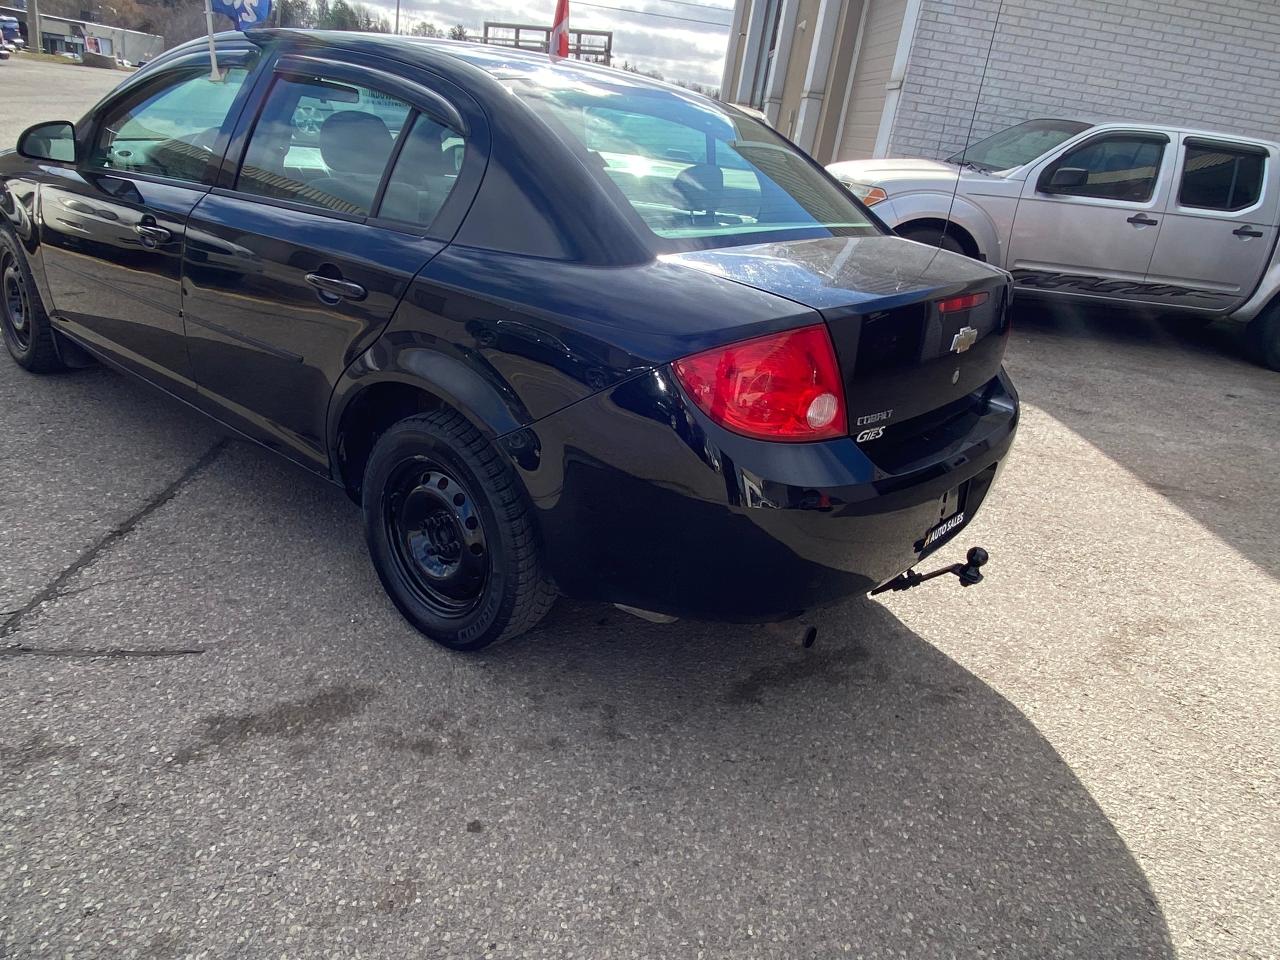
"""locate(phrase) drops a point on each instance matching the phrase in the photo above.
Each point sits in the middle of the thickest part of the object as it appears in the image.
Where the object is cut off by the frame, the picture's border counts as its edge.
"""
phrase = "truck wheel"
(1263, 336)
(27, 331)
(934, 237)
(451, 535)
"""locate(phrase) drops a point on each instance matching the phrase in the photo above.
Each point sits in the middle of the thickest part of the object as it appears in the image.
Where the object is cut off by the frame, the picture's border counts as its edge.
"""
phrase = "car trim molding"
(1051, 282)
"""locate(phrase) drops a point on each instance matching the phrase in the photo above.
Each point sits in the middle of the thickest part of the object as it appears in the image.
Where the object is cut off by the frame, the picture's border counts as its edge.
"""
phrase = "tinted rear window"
(696, 174)
(1221, 177)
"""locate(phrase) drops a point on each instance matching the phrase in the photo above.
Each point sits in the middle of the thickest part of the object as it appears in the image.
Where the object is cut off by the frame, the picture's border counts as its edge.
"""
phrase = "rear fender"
(423, 362)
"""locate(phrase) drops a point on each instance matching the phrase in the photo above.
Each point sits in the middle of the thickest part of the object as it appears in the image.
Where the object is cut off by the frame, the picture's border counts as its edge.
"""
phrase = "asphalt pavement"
(218, 739)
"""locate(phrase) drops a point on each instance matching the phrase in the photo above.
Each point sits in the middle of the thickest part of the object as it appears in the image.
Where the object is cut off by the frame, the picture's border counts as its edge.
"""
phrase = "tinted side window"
(1120, 168)
(322, 143)
(1217, 177)
(424, 174)
(170, 130)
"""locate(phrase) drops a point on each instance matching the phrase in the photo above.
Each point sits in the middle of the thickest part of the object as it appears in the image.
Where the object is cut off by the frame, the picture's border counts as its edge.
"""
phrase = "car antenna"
(968, 137)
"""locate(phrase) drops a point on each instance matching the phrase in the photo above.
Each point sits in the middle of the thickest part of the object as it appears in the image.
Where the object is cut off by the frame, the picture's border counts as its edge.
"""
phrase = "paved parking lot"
(218, 739)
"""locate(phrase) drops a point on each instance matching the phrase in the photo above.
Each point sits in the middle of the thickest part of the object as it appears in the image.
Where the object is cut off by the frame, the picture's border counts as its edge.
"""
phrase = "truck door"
(1219, 231)
(1089, 218)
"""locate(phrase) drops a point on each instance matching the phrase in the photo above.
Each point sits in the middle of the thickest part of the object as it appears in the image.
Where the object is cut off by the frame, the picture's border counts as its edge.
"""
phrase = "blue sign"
(243, 13)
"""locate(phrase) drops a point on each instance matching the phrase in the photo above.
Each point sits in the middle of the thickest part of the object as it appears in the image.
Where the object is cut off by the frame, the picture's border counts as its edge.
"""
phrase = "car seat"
(702, 187)
(355, 147)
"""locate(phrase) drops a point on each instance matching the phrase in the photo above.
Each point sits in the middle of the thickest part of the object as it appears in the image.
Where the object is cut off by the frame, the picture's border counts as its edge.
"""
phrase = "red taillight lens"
(966, 302)
(785, 386)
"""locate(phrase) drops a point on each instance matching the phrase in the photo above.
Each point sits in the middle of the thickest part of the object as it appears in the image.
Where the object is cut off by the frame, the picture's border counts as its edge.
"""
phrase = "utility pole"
(397, 16)
(33, 27)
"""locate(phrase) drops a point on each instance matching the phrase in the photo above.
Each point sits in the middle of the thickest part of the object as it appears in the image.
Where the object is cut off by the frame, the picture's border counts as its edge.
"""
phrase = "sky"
(660, 36)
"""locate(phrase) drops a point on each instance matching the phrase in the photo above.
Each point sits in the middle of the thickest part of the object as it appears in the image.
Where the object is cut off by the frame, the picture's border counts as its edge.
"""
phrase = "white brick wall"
(1206, 63)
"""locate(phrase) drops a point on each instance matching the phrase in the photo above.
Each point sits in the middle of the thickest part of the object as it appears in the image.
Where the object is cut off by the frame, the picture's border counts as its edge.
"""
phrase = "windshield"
(1019, 144)
(696, 174)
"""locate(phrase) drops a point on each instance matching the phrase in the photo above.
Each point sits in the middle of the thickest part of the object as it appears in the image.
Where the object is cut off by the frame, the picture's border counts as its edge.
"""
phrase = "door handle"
(151, 235)
(334, 289)
(1246, 231)
(1142, 220)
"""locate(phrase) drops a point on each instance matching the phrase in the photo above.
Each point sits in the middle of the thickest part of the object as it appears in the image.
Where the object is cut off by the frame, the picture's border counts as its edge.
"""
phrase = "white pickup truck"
(1182, 221)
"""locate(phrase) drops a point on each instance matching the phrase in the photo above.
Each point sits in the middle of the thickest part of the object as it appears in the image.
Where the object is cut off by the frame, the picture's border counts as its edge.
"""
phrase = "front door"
(112, 228)
(1217, 237)
(1096, 236)
(293, 272)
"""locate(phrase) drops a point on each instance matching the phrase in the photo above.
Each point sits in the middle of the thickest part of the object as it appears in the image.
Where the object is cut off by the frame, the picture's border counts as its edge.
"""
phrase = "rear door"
(1096, 237)
(351, 179)
(112, 227)
(1217, 236)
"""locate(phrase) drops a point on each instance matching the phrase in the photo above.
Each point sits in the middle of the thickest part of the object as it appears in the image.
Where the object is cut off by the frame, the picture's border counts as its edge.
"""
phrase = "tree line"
(341, 15)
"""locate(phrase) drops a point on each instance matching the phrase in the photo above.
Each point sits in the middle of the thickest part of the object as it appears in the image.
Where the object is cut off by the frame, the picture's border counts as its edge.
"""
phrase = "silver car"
(1182, 220)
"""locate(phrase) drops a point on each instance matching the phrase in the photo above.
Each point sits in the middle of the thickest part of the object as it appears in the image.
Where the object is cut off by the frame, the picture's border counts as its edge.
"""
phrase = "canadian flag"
(558, 48)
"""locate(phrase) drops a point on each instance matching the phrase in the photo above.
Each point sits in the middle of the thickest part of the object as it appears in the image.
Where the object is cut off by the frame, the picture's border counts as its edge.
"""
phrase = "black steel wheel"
(17, 304)
(23, 322)
(450, 533)
(437, 537)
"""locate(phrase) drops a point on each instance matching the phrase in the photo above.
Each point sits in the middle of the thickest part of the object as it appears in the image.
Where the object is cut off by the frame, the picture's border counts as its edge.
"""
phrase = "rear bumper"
(641, 500)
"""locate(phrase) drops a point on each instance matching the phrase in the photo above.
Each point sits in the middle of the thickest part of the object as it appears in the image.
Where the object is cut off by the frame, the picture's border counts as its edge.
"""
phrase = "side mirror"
(49, 141)
(1066, 178)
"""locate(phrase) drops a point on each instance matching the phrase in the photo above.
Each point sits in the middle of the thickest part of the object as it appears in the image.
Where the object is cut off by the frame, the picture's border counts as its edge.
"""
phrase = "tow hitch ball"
(968, 572)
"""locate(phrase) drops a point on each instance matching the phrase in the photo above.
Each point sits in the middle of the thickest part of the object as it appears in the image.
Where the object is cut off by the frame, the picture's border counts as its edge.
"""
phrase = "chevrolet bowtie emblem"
(964, 339)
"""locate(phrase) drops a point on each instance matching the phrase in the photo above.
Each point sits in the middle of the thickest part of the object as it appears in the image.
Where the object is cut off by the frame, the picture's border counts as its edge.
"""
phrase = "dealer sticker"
(942, 529)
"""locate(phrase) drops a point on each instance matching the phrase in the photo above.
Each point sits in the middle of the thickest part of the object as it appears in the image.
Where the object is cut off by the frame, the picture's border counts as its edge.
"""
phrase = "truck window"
(1219, 176)
(1121, 167)
(1019, 144)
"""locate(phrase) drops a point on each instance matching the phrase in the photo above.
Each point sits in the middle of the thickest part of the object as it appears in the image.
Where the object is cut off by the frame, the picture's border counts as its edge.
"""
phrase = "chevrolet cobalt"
(556, 328)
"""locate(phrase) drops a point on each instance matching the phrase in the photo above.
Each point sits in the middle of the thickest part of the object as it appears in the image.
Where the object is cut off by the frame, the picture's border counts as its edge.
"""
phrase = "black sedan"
(555, 328)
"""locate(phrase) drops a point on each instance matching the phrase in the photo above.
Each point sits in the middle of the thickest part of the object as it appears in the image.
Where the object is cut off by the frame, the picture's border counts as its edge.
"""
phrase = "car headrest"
(352, 141)
(702, 186)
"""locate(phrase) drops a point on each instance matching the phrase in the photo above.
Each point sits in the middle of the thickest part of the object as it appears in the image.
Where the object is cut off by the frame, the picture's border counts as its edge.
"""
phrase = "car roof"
(502, 63)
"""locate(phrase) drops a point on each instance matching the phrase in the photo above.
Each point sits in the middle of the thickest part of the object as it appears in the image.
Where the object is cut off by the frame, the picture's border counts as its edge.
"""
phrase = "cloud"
(669, 43)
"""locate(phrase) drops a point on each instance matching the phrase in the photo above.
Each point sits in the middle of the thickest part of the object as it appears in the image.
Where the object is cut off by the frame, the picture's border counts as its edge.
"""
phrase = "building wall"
(733, 55)
(875, 64)
(1193, 62)
(60, 33)
(797, 64)
(824, 149)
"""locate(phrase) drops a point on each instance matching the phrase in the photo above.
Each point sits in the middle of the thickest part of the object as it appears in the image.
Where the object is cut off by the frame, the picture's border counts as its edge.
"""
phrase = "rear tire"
(451, 535)
(1263, 337)
(934, 237)
(27, 332)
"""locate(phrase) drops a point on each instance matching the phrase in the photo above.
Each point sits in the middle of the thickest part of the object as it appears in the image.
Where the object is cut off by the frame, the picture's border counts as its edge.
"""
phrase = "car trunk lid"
(901, 355)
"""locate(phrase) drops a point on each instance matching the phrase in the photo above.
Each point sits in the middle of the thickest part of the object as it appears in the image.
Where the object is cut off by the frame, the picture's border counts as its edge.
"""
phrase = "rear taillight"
(785, 386)
(966, 302)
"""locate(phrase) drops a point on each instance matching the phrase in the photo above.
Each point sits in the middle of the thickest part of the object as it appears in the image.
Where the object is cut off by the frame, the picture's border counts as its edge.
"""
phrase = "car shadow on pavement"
(1178, 405)
(870, 788)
